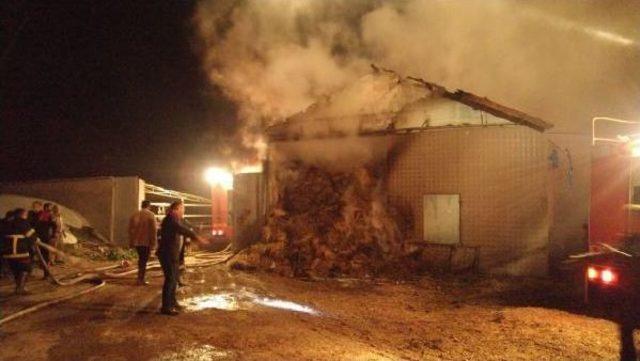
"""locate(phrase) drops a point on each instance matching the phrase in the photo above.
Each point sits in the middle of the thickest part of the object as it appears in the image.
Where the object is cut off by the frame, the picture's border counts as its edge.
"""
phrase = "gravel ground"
(255, 316)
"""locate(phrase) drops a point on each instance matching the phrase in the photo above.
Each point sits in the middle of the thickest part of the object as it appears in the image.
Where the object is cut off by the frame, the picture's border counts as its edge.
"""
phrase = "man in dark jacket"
(169, 248)
(5, 230)
(34, 213)
(17, 249)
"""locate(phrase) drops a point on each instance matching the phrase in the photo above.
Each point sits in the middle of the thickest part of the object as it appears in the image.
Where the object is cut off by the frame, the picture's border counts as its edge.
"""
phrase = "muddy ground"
(235, 315)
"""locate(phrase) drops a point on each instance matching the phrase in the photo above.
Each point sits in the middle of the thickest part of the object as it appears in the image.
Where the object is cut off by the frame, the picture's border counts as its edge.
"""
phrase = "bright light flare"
(255, 168)
(284, 305)
(571, 25)
(635, 151)
(219, 177)
(197, 352)
(609, 36)
(220, 301)
(592, 273)
(608, 276)
(243, 300)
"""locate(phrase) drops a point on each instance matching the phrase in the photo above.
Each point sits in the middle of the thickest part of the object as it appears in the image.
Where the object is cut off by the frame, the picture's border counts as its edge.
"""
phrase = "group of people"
(19, 231)
(170, 243)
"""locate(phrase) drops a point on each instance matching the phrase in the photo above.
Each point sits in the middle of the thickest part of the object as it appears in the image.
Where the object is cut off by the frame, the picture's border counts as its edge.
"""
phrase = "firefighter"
(169, 249)
(143, 231)
(17, 249)
(5, 229)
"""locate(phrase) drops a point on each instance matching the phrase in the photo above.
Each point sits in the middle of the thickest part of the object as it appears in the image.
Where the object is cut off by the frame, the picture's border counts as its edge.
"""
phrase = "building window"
(441, 218)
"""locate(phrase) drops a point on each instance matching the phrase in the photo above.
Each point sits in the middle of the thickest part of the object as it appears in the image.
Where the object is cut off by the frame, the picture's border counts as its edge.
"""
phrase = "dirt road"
(241, 316)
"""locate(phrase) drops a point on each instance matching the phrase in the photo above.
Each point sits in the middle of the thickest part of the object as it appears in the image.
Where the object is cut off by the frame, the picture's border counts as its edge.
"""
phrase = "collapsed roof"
(383, 101)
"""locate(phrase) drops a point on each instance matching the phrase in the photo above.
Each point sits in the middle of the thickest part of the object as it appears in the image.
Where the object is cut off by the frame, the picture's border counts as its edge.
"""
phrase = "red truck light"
(608, 276)
(603, 275)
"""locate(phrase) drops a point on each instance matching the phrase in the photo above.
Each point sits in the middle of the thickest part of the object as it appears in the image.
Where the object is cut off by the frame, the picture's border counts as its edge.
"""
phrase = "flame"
(219, 177)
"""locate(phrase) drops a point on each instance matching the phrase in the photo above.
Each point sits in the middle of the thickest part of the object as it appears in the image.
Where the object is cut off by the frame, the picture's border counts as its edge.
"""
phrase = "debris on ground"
(329, 224)
(94, 247)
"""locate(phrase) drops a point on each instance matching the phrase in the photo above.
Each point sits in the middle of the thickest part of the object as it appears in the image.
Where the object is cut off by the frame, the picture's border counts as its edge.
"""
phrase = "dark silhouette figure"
(628, 318)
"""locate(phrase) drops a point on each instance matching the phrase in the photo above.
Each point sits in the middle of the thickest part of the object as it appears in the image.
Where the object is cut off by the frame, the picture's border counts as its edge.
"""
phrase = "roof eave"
(500, 111)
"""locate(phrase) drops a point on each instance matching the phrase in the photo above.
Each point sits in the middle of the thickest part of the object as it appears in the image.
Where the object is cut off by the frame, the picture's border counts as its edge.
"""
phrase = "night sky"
(106, 88)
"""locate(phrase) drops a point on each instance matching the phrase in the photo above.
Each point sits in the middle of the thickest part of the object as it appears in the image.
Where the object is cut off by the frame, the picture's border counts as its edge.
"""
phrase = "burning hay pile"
(330, 224)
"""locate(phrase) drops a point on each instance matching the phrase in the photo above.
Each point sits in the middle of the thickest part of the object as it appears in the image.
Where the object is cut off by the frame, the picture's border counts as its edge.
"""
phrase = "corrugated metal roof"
(487, 105)
(287, 129)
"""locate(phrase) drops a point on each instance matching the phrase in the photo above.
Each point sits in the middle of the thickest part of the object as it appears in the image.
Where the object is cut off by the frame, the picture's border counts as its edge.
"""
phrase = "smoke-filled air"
(562, 61)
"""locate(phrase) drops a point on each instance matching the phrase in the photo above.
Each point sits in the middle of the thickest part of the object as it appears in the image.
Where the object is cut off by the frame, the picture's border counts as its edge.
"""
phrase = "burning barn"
(397, 173)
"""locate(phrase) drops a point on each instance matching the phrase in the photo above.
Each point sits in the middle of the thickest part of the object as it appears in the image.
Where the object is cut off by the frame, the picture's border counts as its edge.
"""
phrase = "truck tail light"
(608, 276)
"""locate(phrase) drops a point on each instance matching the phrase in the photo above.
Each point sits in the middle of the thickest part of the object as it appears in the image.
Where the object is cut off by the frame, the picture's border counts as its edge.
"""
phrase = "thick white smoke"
(562, 61)
(277, 57)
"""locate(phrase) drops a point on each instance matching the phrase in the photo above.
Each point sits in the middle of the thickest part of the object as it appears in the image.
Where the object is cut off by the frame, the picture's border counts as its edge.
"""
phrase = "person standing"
(143, 235)
(44, 231)
(5, 230)
(34, 213)
(57, 233)
(32, 217)
(17, 249)
(169, 249)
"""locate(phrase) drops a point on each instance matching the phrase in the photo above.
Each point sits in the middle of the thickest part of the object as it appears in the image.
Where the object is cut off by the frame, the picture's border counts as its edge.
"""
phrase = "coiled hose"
(97, 276)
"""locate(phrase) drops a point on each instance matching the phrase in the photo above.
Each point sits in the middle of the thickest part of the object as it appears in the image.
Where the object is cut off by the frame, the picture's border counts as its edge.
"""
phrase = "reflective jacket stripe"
(14, 245)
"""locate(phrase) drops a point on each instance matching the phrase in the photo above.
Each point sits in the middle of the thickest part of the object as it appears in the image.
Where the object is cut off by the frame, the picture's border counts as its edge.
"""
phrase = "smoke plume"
(562, 61)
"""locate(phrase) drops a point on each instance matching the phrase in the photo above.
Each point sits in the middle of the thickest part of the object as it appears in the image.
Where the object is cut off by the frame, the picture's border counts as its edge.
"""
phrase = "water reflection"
(197, 353)
(284, 305)
(220, 301)
(242, 300)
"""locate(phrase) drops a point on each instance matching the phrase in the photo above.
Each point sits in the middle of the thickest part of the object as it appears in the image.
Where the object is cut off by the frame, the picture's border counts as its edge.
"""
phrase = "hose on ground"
(97, 276)
(15, 315)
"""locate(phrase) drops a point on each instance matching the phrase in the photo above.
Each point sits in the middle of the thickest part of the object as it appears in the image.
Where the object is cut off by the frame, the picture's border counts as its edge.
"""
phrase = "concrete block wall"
(501, 174)
(572, 189)
(106, 202)
(128, 193)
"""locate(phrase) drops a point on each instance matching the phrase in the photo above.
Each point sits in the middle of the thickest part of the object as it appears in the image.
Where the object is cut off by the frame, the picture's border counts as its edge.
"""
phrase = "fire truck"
(611, 267)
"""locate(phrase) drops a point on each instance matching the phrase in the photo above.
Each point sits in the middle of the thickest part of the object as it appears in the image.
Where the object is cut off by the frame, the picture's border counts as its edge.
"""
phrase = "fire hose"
(97, 276)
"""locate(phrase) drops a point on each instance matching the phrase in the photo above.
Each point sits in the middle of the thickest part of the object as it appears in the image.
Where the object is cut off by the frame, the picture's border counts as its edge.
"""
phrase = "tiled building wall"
(502, 176)
(572, 189)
